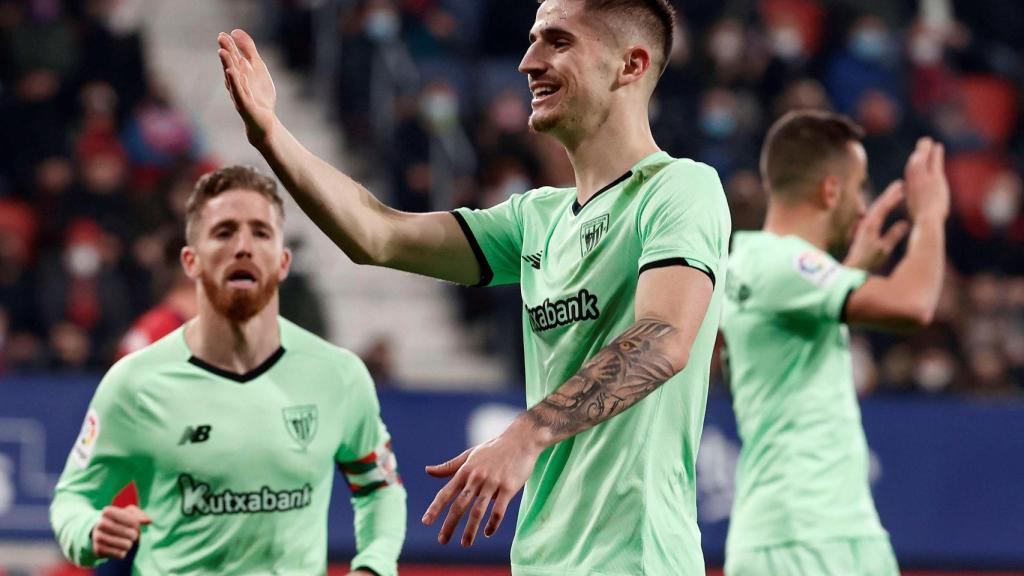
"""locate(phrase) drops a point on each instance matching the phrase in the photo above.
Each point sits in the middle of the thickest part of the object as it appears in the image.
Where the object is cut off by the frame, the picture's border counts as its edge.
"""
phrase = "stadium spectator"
(82, 297)
(177, 305)
(899, 73)
(77, 88)
(91, 157)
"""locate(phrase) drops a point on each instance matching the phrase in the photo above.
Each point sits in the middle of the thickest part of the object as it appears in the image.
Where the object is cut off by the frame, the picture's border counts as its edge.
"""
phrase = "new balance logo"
(534, 259)
(195, 435)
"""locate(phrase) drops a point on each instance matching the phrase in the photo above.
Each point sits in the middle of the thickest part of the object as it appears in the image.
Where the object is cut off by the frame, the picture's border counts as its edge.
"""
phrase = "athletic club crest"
(301, 423)
(591, 233)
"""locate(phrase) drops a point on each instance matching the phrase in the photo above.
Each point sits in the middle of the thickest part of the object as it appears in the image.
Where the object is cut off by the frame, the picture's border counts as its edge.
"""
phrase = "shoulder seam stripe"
(676, 262)
(486, 274)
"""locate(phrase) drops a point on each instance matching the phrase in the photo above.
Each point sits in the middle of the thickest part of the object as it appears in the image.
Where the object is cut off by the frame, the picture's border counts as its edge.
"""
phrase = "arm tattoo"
(618, 376)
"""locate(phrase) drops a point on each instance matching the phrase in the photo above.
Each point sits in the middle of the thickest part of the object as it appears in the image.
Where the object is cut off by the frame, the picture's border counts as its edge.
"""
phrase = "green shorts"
(843, 557)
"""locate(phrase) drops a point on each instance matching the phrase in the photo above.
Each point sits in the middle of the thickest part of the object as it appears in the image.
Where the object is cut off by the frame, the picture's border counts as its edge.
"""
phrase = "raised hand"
(871, 248)
(926, 186)
(249, 83)
(117, 530)
(491, 472)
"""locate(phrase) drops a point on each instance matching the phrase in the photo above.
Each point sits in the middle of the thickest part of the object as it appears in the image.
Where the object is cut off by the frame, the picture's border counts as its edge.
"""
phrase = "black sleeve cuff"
(842, 309)
(486, 274)
(677, 262)
(370, 570)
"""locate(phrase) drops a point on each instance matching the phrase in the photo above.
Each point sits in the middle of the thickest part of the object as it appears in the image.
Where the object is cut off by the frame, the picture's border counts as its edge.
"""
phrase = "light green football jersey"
(235, 470)
(619, 498)
(803, 470)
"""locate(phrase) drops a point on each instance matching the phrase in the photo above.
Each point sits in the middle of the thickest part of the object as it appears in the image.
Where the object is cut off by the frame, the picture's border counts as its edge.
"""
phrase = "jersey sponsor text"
(576, 308)
(196, 499)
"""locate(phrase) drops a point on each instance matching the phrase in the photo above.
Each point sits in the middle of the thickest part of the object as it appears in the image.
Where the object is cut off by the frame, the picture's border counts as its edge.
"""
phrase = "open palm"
(249, 83)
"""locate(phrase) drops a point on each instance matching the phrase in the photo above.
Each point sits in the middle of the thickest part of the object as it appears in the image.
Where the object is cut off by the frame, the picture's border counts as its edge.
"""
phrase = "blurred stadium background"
(110, 109)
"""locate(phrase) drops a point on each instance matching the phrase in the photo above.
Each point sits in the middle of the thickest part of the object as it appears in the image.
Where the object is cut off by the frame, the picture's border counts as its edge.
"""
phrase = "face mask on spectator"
(82, 260)
(787, 43)
(1000, 206)
(514, 184)
(381, 25)
(934, 372)
(718, 122)
(925, 50)
(439, 108)
(869, 44)
(727, 46)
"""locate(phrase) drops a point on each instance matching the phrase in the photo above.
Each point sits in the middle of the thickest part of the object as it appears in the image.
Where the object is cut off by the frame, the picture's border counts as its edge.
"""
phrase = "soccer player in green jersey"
(803, 502)
(232, 425)
(621, 277)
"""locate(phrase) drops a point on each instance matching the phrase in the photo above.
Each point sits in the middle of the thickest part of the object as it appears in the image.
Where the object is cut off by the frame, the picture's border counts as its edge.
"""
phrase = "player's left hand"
(491, 472)
(871, 248)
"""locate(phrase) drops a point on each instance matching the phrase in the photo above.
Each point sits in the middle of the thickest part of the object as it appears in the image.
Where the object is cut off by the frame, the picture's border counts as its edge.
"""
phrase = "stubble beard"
(236, 305)
(843, 230)
(543, 123)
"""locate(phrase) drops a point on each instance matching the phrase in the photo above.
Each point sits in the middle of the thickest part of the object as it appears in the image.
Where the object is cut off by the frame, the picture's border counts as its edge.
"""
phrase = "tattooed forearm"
(618, 376)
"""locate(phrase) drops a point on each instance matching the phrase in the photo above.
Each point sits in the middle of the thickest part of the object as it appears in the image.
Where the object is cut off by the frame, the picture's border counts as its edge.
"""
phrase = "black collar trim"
(576, 206)
(248, 376)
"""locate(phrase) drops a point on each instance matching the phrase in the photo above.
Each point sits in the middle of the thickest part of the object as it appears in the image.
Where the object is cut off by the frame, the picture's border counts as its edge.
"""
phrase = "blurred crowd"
(96, 164)
(96, 161)
(429, 90)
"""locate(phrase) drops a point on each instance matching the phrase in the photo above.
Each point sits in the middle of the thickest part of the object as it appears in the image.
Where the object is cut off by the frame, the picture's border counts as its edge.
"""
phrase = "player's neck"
(601, 157)
(235, 347)
(799, 220)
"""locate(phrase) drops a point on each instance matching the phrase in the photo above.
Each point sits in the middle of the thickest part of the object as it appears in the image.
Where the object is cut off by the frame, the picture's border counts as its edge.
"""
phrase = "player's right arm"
(369, 232)
(907, 298)
(87, 528)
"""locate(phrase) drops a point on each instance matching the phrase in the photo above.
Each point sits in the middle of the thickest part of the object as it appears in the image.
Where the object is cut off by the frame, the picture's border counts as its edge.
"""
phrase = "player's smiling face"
(238, 254)
(570, 69)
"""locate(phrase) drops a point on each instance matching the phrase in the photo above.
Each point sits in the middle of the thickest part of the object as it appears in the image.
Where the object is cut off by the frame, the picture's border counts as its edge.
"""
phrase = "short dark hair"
(219, 181)
(800, 144)
(655, 19)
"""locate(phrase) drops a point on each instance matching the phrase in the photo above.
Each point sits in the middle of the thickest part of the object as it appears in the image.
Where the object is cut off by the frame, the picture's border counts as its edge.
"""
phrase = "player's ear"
(190, 262)
(286, 265)
(636, 62)
(829, 191)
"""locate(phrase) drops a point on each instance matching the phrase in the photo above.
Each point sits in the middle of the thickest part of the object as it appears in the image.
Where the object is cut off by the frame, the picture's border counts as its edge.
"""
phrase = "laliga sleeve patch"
(815, 267)
(86, 442)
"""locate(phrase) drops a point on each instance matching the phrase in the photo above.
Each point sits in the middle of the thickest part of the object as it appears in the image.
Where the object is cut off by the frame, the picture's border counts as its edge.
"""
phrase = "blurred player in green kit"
(803, 502)
(622, 278)
(232, 426)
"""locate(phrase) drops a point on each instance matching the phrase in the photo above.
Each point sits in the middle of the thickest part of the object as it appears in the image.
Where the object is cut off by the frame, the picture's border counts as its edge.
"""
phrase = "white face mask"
(382, 25)
(787, 43)
(439, 108)
(925, 50)
(83, 261)
(934, 373)
(126, 17)
(1000, 206)
(870, 44)
(727, 47)
(516, 184)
